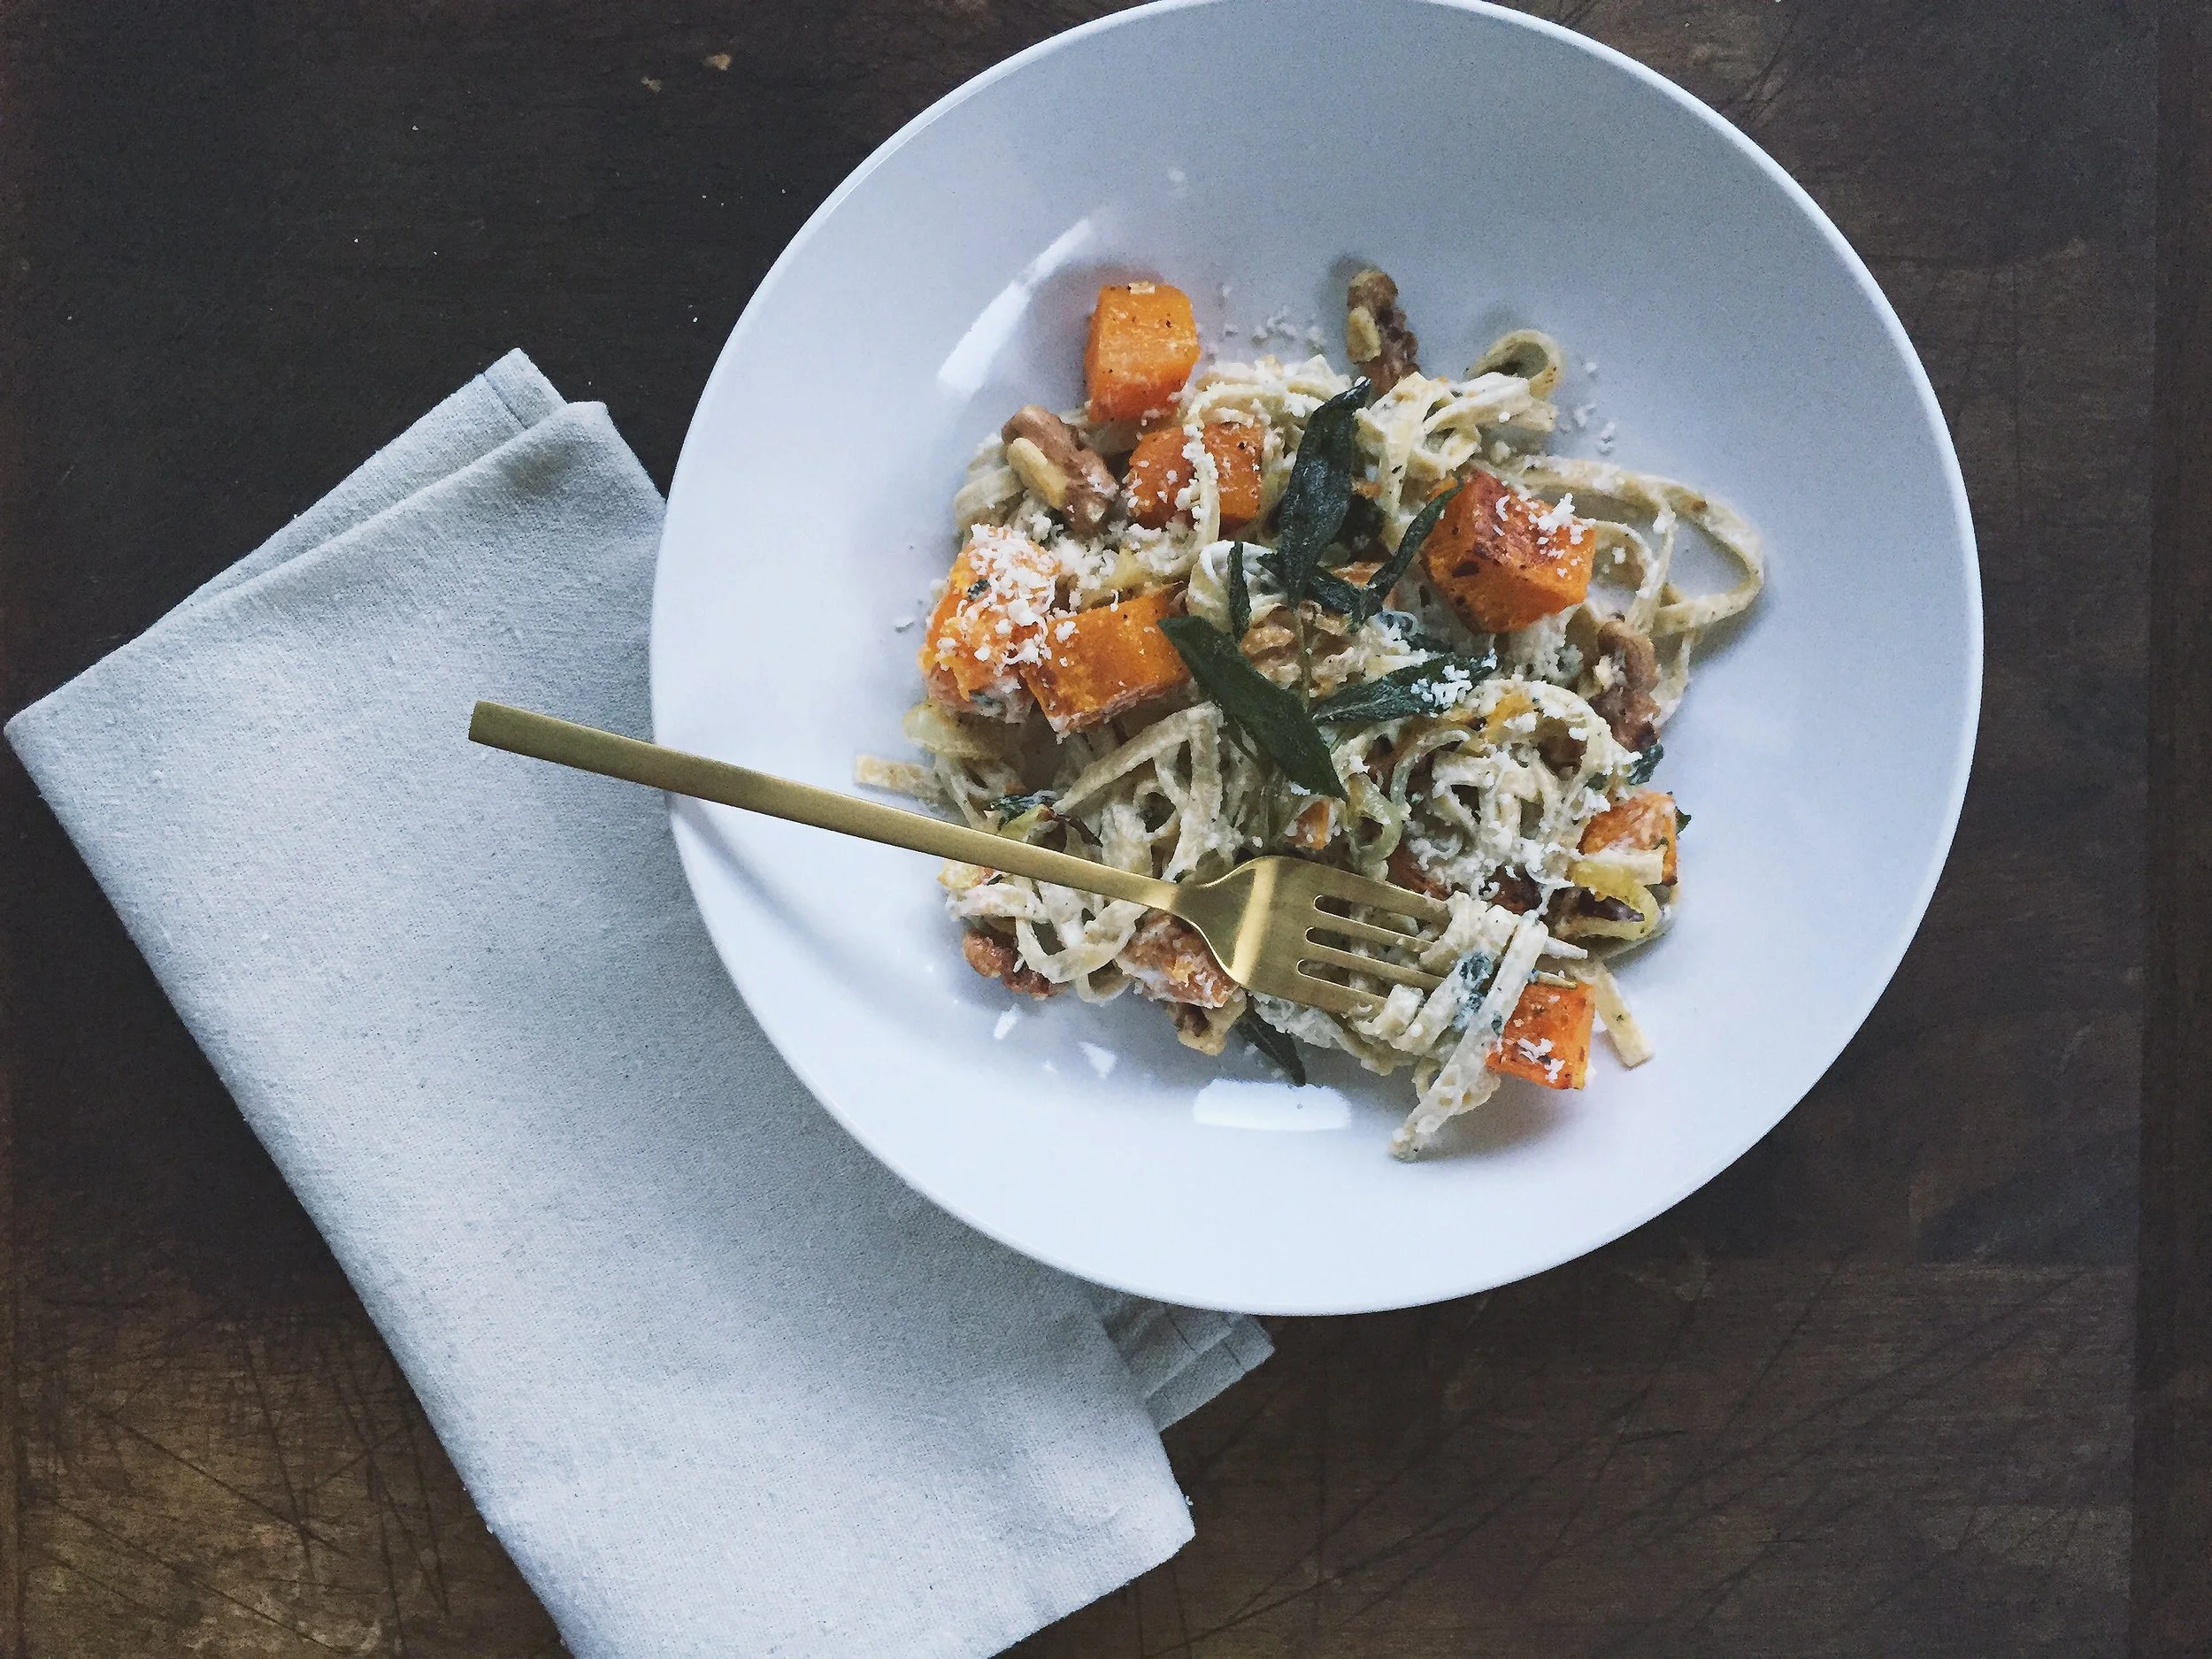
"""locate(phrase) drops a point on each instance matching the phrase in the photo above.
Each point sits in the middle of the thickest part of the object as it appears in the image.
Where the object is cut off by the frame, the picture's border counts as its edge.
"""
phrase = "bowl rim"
(1892, 955)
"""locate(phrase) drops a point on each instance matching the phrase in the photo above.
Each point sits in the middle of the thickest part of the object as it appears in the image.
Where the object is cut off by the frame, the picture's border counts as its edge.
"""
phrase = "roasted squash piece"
(1158, 469)
(1646, 822)
(1237, 447)
(1547, 1038)
(1143, 344)
(1094, 664)
(985, 626)
(1158, 473)
(1504, 559)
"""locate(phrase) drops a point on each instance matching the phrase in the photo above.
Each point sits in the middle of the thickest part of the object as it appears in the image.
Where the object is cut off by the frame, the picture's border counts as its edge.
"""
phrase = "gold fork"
(1263, 921)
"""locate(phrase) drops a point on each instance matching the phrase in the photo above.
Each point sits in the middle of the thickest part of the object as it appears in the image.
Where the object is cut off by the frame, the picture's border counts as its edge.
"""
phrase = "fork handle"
(587, 749)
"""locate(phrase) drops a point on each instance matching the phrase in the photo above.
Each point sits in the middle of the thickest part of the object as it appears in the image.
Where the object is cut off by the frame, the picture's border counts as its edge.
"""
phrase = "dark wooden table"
(1929, 1372)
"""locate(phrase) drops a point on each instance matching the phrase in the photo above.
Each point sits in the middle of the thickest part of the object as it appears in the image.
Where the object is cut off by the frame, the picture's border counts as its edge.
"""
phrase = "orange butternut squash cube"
(1547, 1038)
(1158, 470)
(1646, 822)
(1143, 344)
(1503, 559)
(996, 600)
(1093, 665)
(1158, 473)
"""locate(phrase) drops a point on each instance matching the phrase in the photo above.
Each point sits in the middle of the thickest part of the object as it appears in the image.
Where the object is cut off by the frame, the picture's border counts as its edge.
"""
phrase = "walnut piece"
(1406, 872)
(1628, 668)
(1375, 337)
(1170, 963)
(996, 958)
(1058, 467)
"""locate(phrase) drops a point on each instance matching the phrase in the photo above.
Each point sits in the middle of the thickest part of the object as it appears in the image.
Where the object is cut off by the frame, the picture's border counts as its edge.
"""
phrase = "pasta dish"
(1359, 616)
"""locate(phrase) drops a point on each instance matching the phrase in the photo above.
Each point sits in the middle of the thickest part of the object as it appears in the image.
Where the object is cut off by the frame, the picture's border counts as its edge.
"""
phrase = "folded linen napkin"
(719, 1382)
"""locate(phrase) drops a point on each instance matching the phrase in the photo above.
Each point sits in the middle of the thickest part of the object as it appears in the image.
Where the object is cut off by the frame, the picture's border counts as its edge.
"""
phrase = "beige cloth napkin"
(721, 1384)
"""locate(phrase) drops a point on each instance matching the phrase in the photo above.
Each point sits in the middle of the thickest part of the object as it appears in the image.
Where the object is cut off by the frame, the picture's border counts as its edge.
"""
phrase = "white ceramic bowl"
(1506, 172)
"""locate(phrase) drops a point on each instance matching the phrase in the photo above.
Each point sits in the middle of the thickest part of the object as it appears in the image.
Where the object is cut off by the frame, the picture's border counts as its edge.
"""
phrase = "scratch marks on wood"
(1806, 1459)
(248, 1491)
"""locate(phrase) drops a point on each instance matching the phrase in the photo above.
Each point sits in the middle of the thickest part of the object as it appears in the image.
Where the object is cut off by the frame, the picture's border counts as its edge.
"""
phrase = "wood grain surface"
(1868, 1394)
(2173, 1446)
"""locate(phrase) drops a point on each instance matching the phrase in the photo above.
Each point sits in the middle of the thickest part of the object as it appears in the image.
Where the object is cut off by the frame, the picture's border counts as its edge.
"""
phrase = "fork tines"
(1356, 892)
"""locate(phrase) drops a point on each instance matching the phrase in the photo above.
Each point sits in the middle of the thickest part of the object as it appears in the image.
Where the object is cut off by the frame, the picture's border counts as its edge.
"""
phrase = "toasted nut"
(1314, 826)
(1065, 473)
(1363, 340)
(994, 958)
(1406, 872)
(1375, 337)
(1036, 471)
(1170, 962)
(1629, 666)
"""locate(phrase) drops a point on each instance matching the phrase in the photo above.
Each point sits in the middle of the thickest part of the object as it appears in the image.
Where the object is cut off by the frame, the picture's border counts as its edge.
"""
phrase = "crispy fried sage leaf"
(1273, 717)
(1474, 970)
(1428, 688)
(1019, 814)
(1408, 547)
(1356, 602)
(1008, 807)
(1320, 488)
(1329, 591)
(1240, 595)
(1279, 1046)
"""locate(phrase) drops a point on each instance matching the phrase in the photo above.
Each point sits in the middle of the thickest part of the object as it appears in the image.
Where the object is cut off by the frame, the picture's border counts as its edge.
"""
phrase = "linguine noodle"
(1486, 795)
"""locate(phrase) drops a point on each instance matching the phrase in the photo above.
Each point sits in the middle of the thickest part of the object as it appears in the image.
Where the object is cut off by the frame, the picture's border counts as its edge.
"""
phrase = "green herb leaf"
(1646, 762)
(1275, 718)
(1407, 626)
(1011, 806)
(1332, 592)
(1329, 590)
(1279, 1046)
(1474, 971)
(1428, 688)
(1018, 814)
(1239, 595)
(1408, 547)
(1358, 601)
(1681, 820)
(1320, 488)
